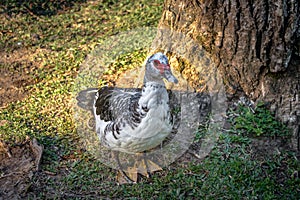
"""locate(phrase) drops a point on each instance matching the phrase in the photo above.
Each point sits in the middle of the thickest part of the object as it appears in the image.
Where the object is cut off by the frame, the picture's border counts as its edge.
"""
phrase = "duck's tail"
(86, 98)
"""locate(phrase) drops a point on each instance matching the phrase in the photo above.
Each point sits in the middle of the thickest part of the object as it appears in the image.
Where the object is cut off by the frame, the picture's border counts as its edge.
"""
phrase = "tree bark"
(254, 44)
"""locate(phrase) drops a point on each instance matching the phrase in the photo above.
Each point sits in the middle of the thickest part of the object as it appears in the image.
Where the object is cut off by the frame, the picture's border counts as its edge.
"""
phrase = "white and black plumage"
(134, 120)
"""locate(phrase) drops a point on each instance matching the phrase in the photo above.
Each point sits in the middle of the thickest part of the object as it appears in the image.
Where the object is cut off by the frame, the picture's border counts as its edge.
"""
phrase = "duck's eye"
(156, 62)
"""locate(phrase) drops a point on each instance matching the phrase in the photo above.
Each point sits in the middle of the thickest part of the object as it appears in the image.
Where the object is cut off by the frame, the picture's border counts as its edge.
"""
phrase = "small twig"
(50, 173)
(4, 106)
(10, 174)
(194, 154)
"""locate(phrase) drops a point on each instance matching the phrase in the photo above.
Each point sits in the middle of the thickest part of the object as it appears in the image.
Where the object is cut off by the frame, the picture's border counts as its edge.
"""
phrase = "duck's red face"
(160, 66)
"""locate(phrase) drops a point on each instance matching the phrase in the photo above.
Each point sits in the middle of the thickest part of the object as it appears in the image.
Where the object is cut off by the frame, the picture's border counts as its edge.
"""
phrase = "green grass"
(230, 172)
(60, 39)
(258, 122)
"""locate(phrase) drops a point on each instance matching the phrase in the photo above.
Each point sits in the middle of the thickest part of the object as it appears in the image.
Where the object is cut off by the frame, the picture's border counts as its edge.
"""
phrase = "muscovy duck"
(133, 120)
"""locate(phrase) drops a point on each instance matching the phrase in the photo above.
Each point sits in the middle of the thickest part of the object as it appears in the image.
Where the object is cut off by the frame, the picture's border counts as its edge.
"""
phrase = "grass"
(259, 122)
(59, 38)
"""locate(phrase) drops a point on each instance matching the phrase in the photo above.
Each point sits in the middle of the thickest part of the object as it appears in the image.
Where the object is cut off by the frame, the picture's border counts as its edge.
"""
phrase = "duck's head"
(157, 68)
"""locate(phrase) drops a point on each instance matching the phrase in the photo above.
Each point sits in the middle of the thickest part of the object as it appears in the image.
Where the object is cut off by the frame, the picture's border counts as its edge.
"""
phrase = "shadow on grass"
(36, 7)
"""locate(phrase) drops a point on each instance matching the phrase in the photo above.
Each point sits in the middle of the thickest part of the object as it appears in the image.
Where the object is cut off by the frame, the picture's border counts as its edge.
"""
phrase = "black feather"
(119, 105)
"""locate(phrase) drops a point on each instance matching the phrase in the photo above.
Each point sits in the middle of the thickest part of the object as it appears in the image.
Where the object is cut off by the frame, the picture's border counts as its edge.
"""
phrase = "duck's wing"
(119, 106)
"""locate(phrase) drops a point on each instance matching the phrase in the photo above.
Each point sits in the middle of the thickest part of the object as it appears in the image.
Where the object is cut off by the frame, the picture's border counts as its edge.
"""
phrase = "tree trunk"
(255, 45)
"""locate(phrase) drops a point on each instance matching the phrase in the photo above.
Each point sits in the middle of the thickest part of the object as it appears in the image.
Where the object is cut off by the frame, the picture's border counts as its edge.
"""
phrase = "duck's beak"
(169, 75)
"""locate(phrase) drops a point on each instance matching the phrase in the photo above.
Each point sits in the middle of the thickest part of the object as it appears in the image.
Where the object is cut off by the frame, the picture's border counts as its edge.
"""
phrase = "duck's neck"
(153, 94)
(150, 84)
(149, 78)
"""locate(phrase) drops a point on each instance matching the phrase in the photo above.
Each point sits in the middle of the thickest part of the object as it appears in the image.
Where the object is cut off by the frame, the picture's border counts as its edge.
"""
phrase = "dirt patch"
(18, 163)
(15, 68)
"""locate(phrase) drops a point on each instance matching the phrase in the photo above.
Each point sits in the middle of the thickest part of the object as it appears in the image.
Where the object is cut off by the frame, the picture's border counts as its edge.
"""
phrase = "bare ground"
(15, 70)
(18, 164)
